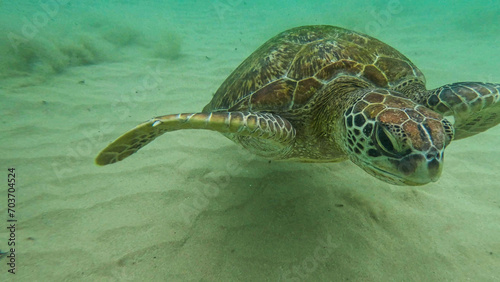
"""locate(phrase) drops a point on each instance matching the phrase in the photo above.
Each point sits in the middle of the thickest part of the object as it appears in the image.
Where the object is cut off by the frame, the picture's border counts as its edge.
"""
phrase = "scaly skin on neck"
(340, 94)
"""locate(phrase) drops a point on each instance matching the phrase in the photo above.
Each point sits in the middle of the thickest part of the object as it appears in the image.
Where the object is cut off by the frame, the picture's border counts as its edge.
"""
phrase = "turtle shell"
(287, 71)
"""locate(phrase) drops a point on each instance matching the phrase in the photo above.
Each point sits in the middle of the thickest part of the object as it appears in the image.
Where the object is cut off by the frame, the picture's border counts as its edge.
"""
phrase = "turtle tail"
(475, 106)
(258, 125)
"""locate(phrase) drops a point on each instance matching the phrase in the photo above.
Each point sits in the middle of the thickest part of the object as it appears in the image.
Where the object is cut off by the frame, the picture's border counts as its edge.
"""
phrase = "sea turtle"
(327, 94)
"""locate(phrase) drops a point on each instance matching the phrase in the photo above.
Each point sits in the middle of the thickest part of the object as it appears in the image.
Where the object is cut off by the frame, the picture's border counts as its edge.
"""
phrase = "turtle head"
(395, 139)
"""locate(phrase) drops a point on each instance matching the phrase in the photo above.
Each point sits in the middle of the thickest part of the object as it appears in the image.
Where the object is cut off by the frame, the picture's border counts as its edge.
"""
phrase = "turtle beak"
(434, 168)
(419, 169)
(415, 169)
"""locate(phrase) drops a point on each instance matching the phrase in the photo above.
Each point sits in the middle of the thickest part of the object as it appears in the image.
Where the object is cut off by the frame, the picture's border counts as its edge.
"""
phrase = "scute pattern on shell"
(289, 69)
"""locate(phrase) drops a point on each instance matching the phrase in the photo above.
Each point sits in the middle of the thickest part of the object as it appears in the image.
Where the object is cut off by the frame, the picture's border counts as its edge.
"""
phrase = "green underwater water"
(46, 37)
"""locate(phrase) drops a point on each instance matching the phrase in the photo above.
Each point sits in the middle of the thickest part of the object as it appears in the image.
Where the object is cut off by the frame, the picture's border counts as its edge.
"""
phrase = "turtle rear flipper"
(265, 126)
(475, 106)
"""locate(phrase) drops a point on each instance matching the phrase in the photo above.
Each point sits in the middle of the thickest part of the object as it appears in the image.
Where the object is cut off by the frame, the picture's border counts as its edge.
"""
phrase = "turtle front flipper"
(257, 125)
(474, 106)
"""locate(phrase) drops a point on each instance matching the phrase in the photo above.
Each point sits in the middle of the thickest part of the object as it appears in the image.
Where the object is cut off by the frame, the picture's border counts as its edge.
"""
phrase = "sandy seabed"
(193, 206)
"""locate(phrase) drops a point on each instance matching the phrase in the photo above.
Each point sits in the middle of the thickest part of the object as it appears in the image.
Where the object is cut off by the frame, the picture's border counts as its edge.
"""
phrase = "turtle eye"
(387, 141)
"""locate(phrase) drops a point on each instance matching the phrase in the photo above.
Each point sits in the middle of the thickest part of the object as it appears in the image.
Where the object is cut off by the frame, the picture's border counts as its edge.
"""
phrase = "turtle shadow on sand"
(270, 220)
